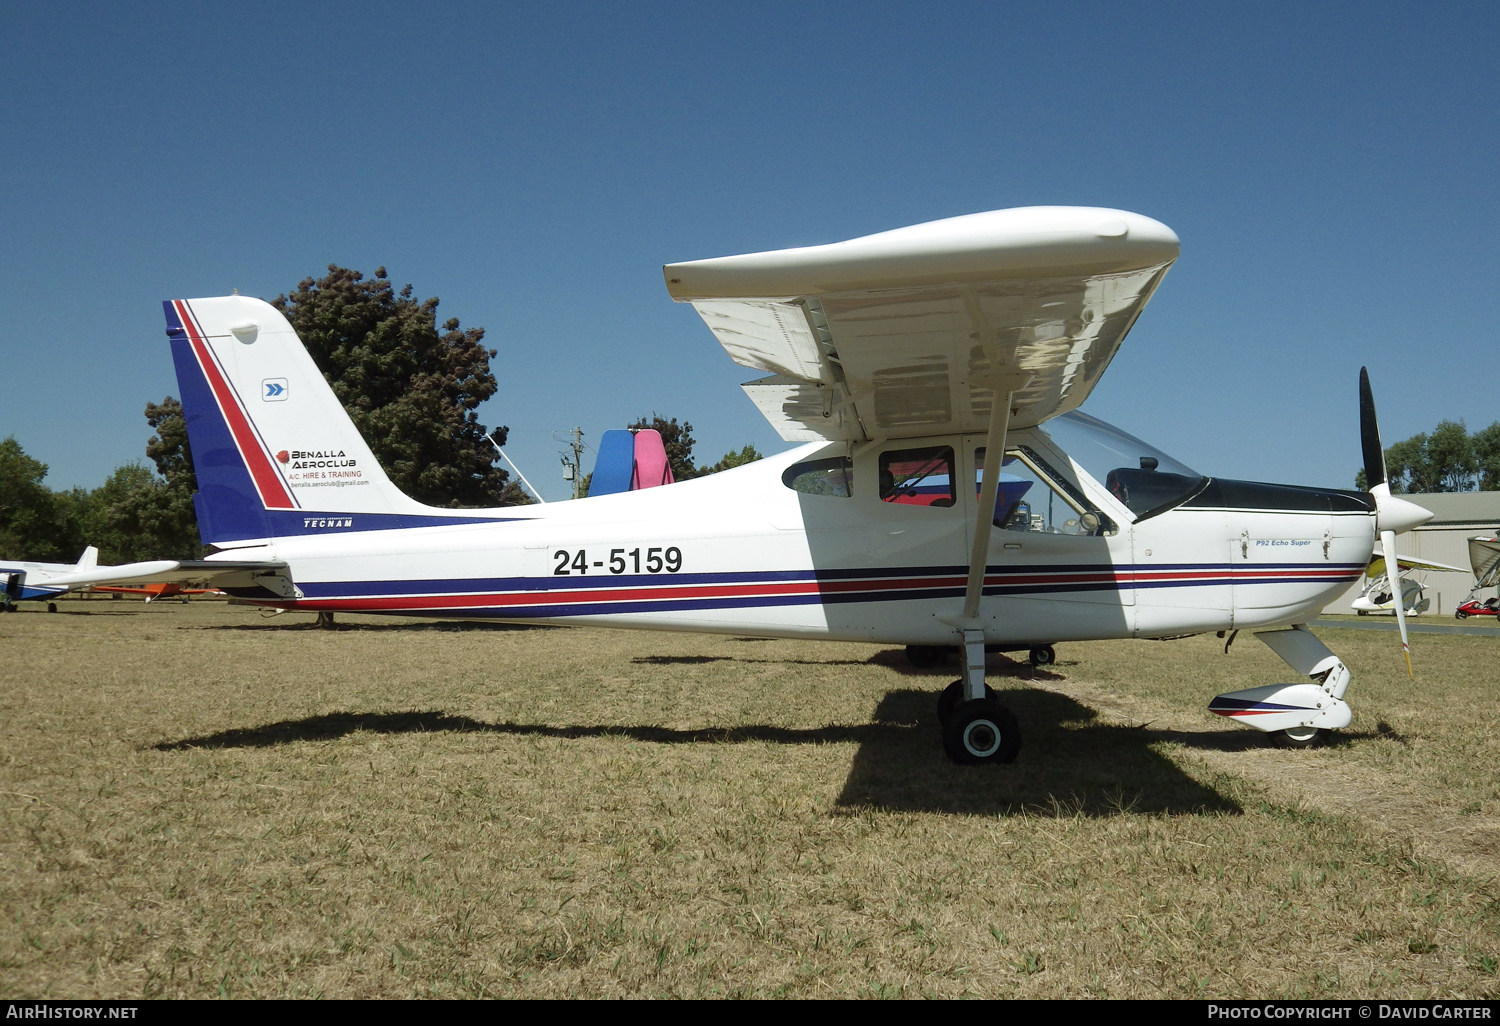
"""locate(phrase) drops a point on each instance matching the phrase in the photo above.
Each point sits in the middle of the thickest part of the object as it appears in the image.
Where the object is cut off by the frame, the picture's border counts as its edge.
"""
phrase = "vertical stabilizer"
(274, 451)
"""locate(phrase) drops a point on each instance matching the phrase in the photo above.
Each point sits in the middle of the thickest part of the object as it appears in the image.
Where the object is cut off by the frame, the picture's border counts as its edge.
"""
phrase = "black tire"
(1299, 737)
(926, 657)
(1460, 615)
(51, 607)
(953, 696)
(982, 733)
(1042, 655)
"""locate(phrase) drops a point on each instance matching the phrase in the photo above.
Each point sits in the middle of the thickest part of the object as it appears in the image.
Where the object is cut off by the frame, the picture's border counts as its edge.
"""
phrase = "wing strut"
(984, 520)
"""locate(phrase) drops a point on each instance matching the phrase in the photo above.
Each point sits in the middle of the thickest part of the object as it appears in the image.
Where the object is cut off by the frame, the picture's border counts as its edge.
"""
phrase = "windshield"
(1141, 476)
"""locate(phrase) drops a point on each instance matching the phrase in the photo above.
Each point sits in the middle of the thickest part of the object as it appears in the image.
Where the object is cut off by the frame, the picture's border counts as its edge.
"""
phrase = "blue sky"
(1331, 170)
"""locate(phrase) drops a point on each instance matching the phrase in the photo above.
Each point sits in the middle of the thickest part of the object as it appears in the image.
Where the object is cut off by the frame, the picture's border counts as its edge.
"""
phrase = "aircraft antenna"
(517, 469)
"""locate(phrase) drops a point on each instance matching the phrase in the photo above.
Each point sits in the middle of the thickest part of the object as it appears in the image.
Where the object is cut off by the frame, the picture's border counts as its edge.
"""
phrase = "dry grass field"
(201, 801)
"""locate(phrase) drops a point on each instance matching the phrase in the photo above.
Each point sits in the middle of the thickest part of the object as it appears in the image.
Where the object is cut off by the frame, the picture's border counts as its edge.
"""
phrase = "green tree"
(410, 387)
(173, 516)
(1448, 460)
(748, 454)
(136, 515)
(36, 524)
(1487, 457)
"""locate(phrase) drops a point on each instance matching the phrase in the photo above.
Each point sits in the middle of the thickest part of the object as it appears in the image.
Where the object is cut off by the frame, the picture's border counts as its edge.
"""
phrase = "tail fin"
(89, 560)
(274, 451)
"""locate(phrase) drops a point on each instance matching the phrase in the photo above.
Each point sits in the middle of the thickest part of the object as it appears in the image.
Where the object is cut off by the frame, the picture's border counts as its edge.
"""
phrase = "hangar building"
(1458, 516)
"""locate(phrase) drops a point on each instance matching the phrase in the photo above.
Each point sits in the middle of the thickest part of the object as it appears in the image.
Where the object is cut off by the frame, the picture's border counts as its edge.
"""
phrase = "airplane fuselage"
(744, 552)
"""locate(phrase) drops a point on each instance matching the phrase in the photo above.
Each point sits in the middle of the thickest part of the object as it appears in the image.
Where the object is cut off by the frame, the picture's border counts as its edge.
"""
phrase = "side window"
(917, 477)
(821, 477)
(1027, 501)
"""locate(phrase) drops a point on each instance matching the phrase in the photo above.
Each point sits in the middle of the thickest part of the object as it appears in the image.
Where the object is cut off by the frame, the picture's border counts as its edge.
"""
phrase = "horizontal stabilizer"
(163, 571)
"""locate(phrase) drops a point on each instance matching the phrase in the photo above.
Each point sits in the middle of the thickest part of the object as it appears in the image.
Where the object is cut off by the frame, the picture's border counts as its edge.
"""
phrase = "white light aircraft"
(43, 582)
(1377, 596)
(903, 360)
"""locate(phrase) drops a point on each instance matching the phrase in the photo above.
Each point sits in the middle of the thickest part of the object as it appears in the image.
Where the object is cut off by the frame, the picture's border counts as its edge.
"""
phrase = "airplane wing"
(909, 332)
(163, 571)
(1484, 557)
(1377, 564)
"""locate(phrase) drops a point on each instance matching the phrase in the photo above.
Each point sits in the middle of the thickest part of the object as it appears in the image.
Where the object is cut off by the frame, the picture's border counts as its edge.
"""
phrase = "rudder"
(272, 445)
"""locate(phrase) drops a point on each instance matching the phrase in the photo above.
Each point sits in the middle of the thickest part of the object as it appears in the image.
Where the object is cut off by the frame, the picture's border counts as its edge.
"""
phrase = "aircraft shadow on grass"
(1071, 763)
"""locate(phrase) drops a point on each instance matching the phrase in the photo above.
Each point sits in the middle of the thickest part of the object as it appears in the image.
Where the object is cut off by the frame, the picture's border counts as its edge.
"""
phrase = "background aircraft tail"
(274, 451)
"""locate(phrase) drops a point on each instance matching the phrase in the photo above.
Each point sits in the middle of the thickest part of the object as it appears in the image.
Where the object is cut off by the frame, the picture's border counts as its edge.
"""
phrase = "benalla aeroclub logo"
(316, 459)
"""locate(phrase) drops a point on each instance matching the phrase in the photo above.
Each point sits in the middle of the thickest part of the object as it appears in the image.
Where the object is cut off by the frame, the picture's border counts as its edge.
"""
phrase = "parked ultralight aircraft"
(904, 360)
(1378, 596)
(45, 582)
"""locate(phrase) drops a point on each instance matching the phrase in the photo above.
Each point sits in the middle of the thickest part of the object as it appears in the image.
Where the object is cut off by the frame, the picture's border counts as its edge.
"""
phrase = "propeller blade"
(1388, 540)
(1369, 434)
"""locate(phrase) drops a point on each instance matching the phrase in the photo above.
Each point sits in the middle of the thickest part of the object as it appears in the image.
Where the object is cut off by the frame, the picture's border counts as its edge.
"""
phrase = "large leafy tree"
(136, 515)
(411, 387)
(1487, 457)
(35, 524)
(1450, 459)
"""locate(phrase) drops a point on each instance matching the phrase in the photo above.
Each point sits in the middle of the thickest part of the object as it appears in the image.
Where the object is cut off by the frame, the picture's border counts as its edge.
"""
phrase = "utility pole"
(573, 467)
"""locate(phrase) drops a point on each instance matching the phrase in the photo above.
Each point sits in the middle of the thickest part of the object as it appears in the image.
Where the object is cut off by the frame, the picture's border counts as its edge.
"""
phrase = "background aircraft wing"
(904, 333)
(1484, 557)
(164, 571)
(1377, 564)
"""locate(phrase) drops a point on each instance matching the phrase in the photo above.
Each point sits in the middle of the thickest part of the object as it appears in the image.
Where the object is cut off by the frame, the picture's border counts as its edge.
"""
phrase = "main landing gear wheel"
(1299, 737)
(953, 696)
(980, 733)
(927, 656)
(51, 607)
(1043, 655)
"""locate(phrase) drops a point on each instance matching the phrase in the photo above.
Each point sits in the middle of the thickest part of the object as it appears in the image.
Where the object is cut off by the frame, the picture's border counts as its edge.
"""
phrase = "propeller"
(1392, 515)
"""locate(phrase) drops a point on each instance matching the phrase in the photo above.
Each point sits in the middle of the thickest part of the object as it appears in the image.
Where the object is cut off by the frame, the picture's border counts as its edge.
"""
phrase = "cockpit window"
(1141, 476)
(821, 477)
(917, 477)
(1029, 497)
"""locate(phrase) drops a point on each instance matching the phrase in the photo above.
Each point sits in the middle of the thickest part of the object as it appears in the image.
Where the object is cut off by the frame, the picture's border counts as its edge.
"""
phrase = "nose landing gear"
(1297, 715)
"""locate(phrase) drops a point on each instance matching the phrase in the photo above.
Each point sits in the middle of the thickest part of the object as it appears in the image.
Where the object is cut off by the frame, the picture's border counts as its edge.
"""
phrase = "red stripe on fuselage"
(273, 491)
(573, 596)
(554, 598)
